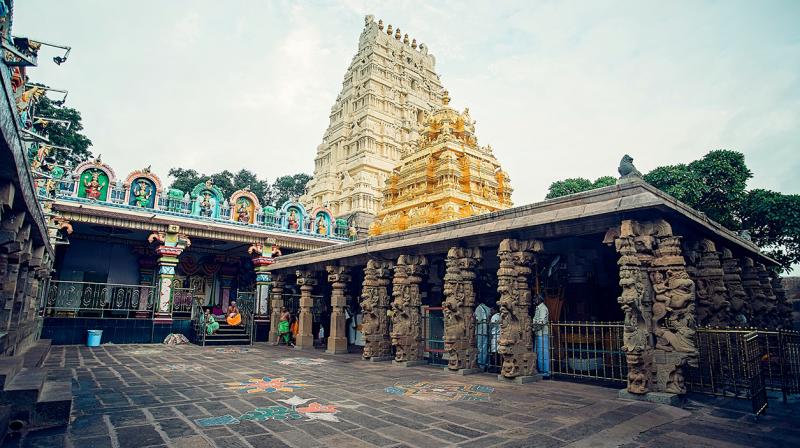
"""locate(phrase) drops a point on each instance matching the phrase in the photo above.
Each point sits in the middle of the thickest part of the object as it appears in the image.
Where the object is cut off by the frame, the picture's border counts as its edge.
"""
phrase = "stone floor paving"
(187, 396)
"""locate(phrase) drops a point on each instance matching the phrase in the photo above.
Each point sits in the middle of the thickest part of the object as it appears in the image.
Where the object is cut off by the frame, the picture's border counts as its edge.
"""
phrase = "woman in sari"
(211, 324)
(233, 318)
(283, 327)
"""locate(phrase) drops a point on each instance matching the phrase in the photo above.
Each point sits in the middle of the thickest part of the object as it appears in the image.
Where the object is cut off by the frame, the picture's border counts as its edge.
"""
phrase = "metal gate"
(754, 352)
(433, 335)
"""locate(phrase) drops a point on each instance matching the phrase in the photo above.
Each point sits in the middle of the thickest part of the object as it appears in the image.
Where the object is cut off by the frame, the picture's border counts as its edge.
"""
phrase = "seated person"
(211, 324)
(233, 317)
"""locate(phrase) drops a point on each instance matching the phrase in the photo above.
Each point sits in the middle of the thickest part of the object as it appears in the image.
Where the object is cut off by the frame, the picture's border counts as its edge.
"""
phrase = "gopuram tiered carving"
(713, 307)
(459, 308)
(390, 85)
(658, 300)
(739, 308)
(406, 318)
(446, 177)
(515, 344)
(374, 305)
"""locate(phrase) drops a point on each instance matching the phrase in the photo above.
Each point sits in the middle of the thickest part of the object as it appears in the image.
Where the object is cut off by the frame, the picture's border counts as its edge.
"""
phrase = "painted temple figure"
(143, 188)
(94, 185)
(294, 217)
(94, 179)
(323, 221)
(207, 199)
(142, 193)
(245, 206)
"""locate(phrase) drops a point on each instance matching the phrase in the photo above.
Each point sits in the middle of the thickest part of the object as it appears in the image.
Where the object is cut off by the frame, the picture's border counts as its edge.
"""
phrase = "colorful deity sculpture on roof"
(143, 188)
(295, 218)
(94, 179)
(323, 221)
(244, 206)
(207, 199)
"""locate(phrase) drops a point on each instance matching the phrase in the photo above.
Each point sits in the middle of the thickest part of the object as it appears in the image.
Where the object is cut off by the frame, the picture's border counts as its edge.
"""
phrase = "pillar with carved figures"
(339, 277)
(171, 245)
(305, 335)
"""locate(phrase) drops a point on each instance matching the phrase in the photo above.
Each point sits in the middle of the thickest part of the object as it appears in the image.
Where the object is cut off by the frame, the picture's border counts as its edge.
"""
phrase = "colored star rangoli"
(265, 384)
(441, 392)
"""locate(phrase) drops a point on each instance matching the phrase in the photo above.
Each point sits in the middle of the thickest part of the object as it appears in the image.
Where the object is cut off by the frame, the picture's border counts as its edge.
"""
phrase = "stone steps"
(29, 395)
(229, 335)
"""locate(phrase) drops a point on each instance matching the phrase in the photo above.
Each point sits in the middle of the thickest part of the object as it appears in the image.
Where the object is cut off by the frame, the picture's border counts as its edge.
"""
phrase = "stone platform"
(160, 396)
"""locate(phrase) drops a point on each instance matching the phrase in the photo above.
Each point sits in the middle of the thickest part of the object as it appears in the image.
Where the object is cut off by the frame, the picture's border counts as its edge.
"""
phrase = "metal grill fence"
(433, 335)
(106, 300)
(591, 350)
(728, 362)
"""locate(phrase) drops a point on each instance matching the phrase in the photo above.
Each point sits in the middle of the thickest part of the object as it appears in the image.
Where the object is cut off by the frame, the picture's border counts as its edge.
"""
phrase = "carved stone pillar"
(740, 308)
(636, 302)
(713, 307)
(374, 305)
(406, 317)
(305, 337)
(459, 308)
(659, 333)
(339, 277)
(516, 341)
(770, 319)
(784, 309)
(278, 282)
(755, 294)
(172, 244)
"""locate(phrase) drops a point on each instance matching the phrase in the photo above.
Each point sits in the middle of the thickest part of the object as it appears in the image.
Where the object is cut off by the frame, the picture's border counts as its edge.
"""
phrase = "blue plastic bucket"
(94, 338)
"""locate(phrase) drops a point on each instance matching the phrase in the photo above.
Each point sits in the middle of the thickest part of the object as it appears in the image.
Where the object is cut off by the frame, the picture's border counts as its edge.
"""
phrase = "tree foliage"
(60, 135)
(716, 185)
(577, 185)
(273, 194)
(773, 220)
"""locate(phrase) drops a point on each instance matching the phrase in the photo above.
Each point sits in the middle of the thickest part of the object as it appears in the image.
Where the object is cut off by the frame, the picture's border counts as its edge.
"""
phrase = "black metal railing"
(726, 364)
(246, 303)
(591, 350)
(433, 335)
(182, 300)
(105, 300)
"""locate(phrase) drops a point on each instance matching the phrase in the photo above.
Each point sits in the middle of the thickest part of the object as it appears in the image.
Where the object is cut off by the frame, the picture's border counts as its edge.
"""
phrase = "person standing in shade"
(494, 336)
(283, 327)
(541, 331)
(482, 315)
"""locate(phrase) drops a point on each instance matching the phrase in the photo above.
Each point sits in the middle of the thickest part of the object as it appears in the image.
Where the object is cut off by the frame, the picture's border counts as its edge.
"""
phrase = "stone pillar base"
(409, 363)
(304, 342)
(463, 371)
(164, 318)
(380, 358)
(653, 397)
(521, 379)
(336, 345)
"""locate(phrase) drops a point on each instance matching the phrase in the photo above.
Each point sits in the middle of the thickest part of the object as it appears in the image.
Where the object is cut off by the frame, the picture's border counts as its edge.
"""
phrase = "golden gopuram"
(446, 177)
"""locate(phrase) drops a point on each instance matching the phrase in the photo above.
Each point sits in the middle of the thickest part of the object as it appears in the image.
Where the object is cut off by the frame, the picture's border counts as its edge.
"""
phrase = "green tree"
(60, 135)
(716, 185)
(577, 185)
(275, 194)
(287, 187)
(773, 221)
(185, 179)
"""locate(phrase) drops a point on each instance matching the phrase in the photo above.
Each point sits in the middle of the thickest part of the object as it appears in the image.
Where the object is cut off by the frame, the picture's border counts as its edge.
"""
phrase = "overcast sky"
(559, 89)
